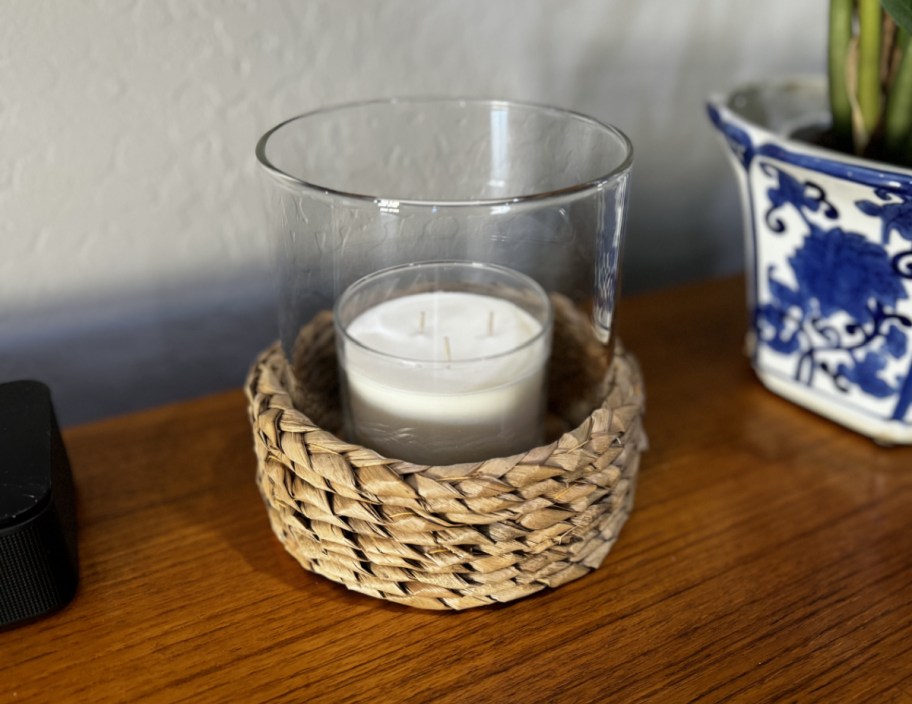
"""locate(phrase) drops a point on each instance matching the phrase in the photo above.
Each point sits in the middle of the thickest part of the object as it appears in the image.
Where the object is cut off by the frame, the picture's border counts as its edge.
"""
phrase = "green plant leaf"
(900, 11)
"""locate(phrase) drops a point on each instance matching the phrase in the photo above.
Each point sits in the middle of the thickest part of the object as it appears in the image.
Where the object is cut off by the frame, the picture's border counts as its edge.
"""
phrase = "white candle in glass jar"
(441, 377)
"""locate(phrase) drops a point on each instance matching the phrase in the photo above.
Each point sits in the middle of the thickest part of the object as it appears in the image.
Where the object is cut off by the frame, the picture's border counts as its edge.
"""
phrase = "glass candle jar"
(355, 189)
(444, 362)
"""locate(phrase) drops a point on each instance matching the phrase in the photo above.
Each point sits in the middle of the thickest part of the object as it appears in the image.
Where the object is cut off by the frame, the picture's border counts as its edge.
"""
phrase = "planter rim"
(719, 102)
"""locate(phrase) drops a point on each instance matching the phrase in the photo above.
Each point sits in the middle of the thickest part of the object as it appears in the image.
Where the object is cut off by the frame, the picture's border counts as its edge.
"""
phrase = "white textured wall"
(132, 270)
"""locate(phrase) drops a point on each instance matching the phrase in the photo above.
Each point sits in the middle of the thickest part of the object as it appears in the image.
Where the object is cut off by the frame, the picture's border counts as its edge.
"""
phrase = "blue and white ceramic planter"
(829, 249)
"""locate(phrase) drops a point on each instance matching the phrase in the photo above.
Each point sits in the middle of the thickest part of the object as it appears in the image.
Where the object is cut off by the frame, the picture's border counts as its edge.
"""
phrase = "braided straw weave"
(450, 537)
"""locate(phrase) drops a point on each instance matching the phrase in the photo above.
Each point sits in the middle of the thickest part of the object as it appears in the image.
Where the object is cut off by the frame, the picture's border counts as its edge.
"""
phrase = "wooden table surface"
(769, 558)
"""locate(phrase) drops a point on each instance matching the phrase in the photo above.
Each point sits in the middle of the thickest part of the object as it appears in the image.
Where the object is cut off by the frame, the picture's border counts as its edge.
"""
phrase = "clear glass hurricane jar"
(359, 188)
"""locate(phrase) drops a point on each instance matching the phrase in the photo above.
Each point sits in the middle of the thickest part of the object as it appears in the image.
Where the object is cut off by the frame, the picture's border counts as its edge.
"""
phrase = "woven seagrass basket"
(457, 536)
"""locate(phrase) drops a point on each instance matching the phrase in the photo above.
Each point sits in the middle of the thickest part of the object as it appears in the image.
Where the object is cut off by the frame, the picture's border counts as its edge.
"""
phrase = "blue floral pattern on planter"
(804, 196)
(840, 318)
(895, 216)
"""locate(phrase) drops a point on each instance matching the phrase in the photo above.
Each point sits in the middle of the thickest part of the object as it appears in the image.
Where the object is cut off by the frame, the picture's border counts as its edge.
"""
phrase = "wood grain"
(769, 558)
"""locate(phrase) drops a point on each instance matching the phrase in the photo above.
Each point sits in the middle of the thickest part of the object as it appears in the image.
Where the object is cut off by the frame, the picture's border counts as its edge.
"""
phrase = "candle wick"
(446, 349)
(421, 319)
(490, 323)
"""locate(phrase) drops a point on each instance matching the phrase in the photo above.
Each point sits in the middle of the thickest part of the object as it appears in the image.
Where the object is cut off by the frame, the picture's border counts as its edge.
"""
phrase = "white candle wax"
(446, 376)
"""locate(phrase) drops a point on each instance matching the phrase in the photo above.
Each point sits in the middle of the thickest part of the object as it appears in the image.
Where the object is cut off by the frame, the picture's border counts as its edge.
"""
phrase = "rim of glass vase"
(578, 188)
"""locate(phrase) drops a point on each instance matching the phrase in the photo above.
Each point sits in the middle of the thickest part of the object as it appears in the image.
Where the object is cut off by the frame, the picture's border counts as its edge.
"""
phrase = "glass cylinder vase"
(355, 189)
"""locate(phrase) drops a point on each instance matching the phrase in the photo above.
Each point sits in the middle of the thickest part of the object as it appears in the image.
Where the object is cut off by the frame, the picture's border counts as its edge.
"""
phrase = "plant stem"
(870, 24)
(840, 35)
(898, 118)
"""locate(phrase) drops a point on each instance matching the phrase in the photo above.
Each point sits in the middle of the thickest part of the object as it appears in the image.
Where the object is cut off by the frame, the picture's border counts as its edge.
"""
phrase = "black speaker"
(38, 559)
